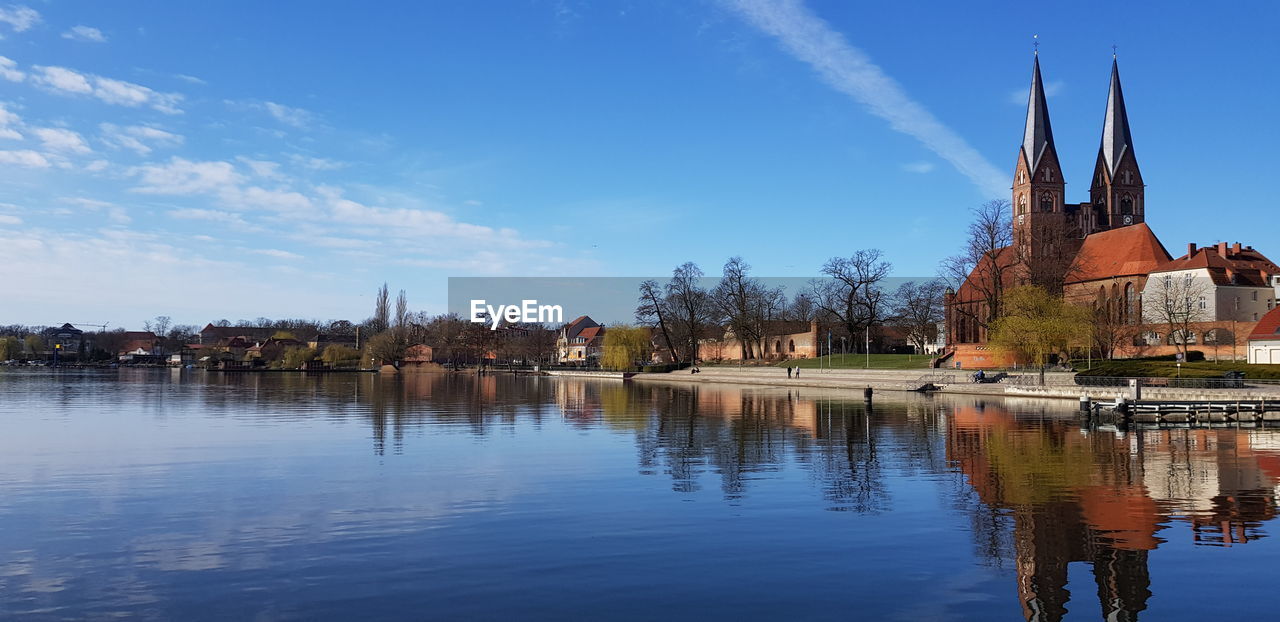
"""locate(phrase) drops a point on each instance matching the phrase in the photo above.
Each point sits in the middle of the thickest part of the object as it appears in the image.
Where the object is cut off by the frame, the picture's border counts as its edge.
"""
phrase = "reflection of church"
(1101, 498)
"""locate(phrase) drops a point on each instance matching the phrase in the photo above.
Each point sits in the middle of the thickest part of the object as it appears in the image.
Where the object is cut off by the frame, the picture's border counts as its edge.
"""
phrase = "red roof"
(591, 332)
(1126, 251)
(1227, 265)
(1268, 327)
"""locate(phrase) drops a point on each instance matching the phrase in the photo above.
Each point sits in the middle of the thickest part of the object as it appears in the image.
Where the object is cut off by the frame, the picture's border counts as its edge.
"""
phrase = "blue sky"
(283, 159)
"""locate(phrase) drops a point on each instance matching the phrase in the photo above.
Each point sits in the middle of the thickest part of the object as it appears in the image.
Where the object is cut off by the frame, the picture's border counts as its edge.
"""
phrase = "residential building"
(1264, 341)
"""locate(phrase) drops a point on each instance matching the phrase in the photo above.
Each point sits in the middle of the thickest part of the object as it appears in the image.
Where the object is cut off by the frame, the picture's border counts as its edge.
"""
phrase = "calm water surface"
(186, 495)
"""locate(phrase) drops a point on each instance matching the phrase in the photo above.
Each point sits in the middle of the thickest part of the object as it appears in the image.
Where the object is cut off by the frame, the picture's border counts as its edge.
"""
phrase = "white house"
(1264, 342)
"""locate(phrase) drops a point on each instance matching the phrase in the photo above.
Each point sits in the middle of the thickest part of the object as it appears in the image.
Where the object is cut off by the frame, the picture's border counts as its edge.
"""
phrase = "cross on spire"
(1035, 43)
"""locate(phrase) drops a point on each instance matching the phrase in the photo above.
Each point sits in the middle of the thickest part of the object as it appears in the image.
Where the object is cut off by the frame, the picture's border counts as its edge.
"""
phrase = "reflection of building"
(1101, 498)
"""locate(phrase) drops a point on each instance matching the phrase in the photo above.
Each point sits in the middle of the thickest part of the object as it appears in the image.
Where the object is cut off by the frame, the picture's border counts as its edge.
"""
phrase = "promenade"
(1057, 385)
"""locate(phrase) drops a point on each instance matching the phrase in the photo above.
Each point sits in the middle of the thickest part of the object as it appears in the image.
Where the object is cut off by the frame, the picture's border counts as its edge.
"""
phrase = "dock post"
(866, 394)
(1084, 403)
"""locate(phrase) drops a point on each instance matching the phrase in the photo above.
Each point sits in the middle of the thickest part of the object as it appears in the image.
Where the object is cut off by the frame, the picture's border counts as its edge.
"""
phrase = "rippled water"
(186, 495)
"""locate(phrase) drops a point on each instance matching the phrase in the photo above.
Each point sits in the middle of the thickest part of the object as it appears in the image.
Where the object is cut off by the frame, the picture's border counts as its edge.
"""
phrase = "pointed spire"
(1116, 139)
(1038, 135)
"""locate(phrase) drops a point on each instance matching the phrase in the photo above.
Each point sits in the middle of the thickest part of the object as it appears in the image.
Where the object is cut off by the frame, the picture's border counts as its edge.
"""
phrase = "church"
(1101, 253)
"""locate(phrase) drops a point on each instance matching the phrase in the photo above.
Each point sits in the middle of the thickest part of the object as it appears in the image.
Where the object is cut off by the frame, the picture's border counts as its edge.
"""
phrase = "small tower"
(1038, 187)
(1116, 191)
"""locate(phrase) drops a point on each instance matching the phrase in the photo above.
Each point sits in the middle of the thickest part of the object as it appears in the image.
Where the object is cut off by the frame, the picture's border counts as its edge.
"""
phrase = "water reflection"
(1033, 492)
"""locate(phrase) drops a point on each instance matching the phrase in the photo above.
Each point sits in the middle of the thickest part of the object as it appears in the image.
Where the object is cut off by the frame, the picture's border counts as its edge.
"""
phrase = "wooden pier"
(1186, 412)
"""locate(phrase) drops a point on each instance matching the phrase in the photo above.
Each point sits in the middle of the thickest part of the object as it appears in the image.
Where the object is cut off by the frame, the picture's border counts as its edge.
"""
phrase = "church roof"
(1125, 251)
(979, 280)
(1116, 138)
(1037, 137)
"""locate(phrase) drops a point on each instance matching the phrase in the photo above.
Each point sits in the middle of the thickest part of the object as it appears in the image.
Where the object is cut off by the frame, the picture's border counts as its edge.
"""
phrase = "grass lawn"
(859, 361)
(1167, 369)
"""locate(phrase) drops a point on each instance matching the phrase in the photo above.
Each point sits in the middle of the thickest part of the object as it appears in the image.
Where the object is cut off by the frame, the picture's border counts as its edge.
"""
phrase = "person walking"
(788, 371)
(797, 371)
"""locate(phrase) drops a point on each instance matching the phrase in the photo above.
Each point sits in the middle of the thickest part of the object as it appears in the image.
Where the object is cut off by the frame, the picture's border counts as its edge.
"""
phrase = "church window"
(1046, 202)
(1126, 205)
(1022, 204)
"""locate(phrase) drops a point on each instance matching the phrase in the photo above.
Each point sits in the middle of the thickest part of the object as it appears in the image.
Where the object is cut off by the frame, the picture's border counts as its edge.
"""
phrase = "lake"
(181, 494)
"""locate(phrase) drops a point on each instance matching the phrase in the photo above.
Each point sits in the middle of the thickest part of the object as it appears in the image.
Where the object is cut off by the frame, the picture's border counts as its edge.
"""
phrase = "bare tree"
(402, 311)
(159, 326)
(692, 309)
(747, 306)
(653, 310)
(801, 308)
(381, 319)
(1177, 301)
(918, 310)
(852, 294)
(980, 263)
(1047, 255)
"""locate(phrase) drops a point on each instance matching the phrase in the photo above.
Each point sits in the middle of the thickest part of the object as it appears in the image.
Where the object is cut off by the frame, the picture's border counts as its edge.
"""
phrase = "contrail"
(850, 71)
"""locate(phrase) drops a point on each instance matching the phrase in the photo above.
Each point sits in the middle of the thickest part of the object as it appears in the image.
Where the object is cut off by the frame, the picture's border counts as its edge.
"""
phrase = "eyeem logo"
(528, 311)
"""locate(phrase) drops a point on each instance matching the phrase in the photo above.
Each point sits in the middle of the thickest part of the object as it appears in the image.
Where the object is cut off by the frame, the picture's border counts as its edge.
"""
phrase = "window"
(792, 345)
(1126, 205)
(1255, 296)
(1203, 304)
(1046, 202)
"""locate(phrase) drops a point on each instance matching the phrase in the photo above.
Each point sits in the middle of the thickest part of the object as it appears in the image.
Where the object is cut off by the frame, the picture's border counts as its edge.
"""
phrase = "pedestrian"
(788, 371)
(797, 371)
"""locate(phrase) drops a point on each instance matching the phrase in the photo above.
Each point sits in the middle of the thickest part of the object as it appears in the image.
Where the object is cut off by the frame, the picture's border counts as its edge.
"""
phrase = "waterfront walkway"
(1060, 385)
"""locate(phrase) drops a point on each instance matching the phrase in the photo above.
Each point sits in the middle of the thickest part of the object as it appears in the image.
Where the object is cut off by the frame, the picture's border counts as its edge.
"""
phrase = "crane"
(101, 327)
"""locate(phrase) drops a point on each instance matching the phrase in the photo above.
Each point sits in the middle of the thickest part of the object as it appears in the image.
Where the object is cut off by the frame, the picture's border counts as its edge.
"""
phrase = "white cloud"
(918, 167)
(24, 157)
(7, 122)
(139, 138)
(19, 17)
(316, 164)
(96, 165)
(850, 71)
(9, 70)
(85, 33)
(419, 223)
(262, 168)
(6, 219)
(208, 215)
(58, 139)
(1019, 96)
(297, 117)
(184, 177)
(118, 92)
(277, 253)
(190, 79)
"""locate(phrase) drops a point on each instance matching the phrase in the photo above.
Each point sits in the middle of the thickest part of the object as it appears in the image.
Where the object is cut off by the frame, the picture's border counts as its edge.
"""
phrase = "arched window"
(1126, 205)
(1046, 202)
(1022, 204)
(1130, 304)
(1115, 302)
(792, 345)
(777, 347)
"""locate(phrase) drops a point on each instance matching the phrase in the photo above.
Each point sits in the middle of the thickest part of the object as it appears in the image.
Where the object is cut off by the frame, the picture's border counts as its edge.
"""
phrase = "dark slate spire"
(1038, 136)
(1116, 138)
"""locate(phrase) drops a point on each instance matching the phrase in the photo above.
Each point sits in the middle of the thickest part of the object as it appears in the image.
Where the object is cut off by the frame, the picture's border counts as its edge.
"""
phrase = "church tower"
(1037, 178)
(1116, 192)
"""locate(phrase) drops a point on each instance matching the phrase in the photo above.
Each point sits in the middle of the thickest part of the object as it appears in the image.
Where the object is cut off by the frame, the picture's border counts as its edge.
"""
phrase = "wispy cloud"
(918, 167)
(85, 33)
(288, 115)
(1019, 96)
(9, 70)
(66, 81)
(189, 79)
(316, 164)
(8, 124)
(24, 157)
(850, 70)
(19, 17)
(62, 140)
(140, 139)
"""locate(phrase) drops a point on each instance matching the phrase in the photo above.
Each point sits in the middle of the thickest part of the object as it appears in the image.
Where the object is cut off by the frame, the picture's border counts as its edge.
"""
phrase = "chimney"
(1235, 248)
(1222, 249)
(1191, 249)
